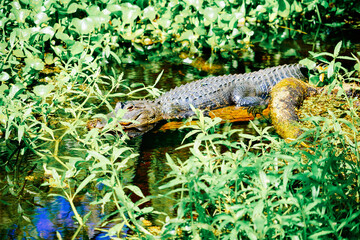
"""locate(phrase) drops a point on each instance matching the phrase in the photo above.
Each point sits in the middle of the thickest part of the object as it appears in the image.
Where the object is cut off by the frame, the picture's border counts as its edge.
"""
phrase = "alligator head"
(140, 116)
(139, 113)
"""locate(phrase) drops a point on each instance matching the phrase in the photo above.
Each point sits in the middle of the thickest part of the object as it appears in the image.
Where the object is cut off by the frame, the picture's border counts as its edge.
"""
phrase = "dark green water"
(42, 216)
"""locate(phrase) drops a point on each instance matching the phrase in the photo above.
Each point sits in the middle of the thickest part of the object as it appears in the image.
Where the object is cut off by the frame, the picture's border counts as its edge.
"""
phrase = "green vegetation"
(273, 190)
(55, 73)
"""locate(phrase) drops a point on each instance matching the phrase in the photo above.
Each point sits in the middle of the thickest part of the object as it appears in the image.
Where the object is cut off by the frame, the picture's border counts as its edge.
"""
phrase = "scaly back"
(215, 92)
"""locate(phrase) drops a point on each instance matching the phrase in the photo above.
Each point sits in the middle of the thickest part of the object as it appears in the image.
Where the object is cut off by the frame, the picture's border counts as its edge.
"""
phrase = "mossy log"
(286, 97)
(228, 114)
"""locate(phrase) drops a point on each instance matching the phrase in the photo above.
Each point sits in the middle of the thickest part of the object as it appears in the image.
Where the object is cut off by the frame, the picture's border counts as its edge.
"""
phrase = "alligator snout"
(138, 113)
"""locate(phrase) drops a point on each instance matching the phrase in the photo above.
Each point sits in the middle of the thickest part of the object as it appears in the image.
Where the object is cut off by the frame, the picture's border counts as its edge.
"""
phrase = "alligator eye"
(130, 107)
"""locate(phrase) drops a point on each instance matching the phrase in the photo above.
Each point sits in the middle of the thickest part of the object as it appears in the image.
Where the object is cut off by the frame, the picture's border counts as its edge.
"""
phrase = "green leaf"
(3, 21)
(330, 70)
(9, 124)
(210, 15)
(77, 48)
(3, 87)
(321, 234)
(73, 7)
(187, 35)
(21, 130)
(93, 10)
(337, 49)
(98, 17)
(59, 50)
(196, 3)
(49, 58)
(15, 5)
(164, 22)
(129, 12)
(113, 8)
(85, 182)
(99, 157)
(4, 76)
(41, 17)
(13, 36)
(308, 63)
(117, 59)
(297, 6)
(138, 47)
(43, 90)
(200, 30)
(58, 235)
(118, 151)
(136, 190)
(83, 26)
(149, 13)
(33, 63)
(3, 46)
(86, 217)
(18, 53)
(21, 15)
(347, 58)
(48, 130)
(15, 90)
(284, 8)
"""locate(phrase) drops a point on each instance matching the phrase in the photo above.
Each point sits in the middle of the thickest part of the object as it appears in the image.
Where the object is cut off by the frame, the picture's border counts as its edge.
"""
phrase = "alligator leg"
(250, 101)
(247, 96)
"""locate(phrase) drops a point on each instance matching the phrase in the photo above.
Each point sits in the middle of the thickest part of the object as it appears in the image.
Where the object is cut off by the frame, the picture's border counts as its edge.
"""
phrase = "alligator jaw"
(139, 113)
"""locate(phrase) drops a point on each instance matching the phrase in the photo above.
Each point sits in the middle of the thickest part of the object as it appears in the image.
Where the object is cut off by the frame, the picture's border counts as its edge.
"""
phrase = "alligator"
(243, 90)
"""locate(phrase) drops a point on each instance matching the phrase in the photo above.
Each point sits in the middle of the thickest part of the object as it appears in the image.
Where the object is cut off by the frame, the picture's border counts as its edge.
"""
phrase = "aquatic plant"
(55, 75)
(46, 32)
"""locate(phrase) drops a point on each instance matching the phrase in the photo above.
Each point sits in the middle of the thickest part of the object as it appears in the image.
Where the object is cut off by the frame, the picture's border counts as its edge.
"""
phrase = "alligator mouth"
(132, 120)
(125, 123)
(129, 125)
(136, 124)
(138, 119)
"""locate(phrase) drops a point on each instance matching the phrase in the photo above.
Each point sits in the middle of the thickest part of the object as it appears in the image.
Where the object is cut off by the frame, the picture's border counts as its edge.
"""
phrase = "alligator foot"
(255, 110)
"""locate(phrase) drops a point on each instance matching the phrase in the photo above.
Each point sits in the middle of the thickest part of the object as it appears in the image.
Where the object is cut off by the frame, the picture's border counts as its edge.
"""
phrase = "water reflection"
(52, 215)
